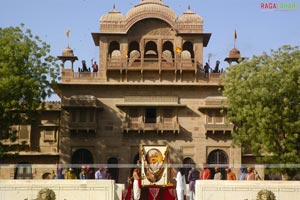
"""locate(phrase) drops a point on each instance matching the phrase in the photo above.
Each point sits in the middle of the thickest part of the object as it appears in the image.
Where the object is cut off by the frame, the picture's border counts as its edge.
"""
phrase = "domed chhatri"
(151, 7)
(68, 52)
(234, 56)
(190, 17)
(113, 16)
(234, 53)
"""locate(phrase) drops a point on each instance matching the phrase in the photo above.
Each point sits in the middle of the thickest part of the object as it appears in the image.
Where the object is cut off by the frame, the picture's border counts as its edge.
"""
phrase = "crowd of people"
(85, 173)
(206, 174)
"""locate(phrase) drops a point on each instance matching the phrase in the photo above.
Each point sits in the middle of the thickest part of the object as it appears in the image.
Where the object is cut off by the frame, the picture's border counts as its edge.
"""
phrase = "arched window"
(168, 46)
(187, 163)
(218, 157)
(189, 47)
(113, 168)
(134, 45)
(151, 50)
(114, 45)
(23, 170)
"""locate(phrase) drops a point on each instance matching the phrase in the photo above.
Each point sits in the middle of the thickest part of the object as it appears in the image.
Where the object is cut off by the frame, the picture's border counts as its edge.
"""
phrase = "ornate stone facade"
(150, 90)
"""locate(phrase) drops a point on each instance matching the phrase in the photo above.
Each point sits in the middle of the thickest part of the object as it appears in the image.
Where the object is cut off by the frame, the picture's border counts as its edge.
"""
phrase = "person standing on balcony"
(206, 70)
(84, 67)
(95, 67)
(216, 69)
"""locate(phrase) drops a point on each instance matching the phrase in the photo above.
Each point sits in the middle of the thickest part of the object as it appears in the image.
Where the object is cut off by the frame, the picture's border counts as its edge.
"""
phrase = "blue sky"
(257, 29)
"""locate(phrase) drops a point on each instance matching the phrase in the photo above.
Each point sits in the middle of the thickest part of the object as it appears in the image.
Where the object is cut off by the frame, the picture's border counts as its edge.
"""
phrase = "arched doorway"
(23, 170)
(81, 157)
(113, 168)
(218, 158)
(187, 163)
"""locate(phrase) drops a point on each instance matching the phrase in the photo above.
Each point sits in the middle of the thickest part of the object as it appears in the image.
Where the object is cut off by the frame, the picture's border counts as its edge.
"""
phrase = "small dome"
(234, 53)
(67, 52)
(112, 16)
(190, 17)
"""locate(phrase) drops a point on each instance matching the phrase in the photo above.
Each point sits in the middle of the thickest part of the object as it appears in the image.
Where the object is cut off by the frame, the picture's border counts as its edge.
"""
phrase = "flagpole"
(235, 36)
(68, 34)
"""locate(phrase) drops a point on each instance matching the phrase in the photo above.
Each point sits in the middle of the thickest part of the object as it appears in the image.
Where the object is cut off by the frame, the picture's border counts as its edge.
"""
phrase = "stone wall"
(245, 190)
(63, 189)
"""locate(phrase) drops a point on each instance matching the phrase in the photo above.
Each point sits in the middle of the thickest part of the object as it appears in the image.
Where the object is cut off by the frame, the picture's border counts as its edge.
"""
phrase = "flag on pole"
(68, 32)
(178, 50)
(235, 35)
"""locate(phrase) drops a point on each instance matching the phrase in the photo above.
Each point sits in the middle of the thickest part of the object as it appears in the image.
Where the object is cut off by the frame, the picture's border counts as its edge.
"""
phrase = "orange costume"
(205, 174)
(230, 175)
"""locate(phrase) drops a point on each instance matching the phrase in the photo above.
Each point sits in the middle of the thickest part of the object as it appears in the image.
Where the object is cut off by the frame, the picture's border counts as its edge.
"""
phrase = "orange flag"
(178, 50)
(68, 32)
(235, 35)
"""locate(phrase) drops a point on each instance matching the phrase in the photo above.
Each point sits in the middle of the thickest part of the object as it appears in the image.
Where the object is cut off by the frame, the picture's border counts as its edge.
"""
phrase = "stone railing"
(245, 190)
(158, 127)
(156, 99)
(62, 189)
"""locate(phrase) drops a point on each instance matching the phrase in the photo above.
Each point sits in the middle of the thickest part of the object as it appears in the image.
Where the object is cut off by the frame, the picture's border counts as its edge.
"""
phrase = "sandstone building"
(150, 89)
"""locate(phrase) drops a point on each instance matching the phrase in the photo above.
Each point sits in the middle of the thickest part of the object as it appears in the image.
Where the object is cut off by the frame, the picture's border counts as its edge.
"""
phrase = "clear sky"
(257, 29)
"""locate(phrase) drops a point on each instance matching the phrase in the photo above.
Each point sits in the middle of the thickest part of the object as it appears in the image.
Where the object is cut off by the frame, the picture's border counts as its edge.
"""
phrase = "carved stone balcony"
(170, 126)
(80, 101)
(218, 128)
(157, 127)
(83, 126)
(150, 64)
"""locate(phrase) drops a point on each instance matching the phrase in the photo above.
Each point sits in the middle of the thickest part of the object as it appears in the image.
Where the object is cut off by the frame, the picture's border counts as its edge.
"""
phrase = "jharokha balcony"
(152, 64)
(160, 127)
(120, 69)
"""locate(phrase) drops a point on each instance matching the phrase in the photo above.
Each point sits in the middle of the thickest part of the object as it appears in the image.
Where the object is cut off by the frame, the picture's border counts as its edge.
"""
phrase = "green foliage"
(264, 103)
(27, 73)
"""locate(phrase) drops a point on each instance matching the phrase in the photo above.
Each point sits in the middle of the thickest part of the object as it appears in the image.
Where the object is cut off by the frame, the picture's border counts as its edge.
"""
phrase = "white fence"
(63, 189)
(245, 190)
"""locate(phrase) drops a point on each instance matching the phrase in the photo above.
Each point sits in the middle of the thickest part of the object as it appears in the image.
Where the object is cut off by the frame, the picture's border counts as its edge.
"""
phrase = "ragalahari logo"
(278, 6)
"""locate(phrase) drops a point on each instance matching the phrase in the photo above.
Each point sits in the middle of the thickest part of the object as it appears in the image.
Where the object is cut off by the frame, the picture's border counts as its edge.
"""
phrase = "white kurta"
(136, 190)
(180, 186)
